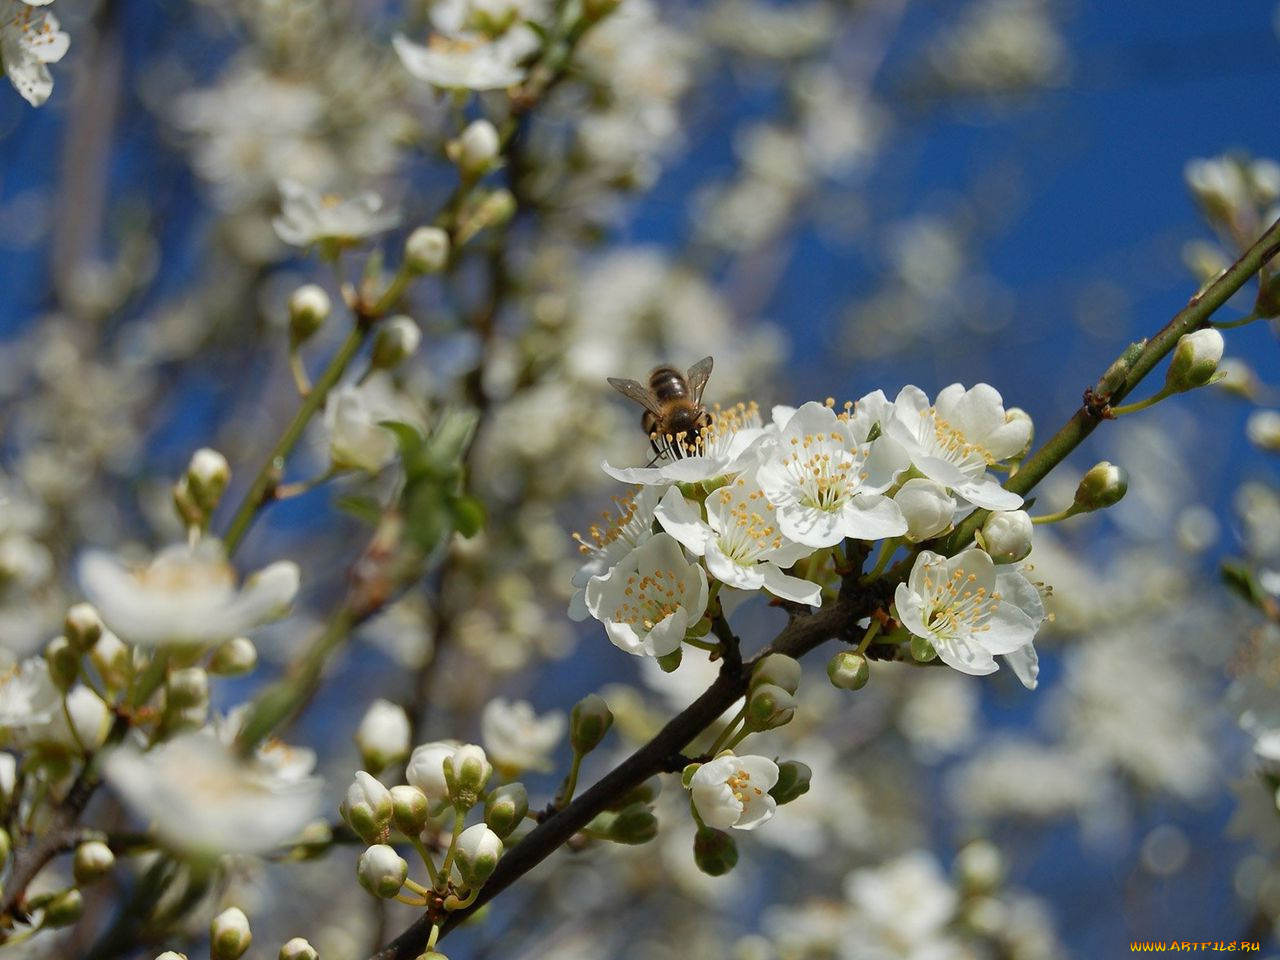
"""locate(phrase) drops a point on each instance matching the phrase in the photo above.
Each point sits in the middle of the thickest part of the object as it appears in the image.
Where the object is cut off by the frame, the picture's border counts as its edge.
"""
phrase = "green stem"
(1126, 373)
(887, 550)
(1063, 514)
(702, 644)
(260, 491)
(727, 732)
(570, 781)
(1137, 405)
(446, 868)
(1232, 324)
(426, 860)
(869, 636)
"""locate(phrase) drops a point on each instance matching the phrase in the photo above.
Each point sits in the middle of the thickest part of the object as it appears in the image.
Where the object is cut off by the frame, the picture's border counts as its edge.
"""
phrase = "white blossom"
(353, 417)
(927, 506)
(383, 734)
(650, 599)
(740, 540)
(723, 448)
(827, 481)
(609, 541)
(516, 738)
(969, 610)
(30, 39)
(468, 61)
(201, 798)
(28, 697)
(959, 437)
(185, 595)
(732, 791)
(308, 216)
(426, 768)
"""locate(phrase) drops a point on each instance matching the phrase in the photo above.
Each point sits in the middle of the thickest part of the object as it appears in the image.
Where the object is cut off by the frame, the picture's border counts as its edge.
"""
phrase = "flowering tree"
(284, 538)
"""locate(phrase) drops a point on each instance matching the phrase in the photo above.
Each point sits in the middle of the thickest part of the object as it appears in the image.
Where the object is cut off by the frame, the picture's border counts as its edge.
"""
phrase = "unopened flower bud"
(1195, 360)
(645, 793)
(229, 935)
(1103, 485)
(506, 808)
(922, 650)
(383, 735)
(8, 780)
(793, 781)
(478, 851)
(367, 807)
(208, 474)
(6, 847)
(476, 149)
(927, 507)
(778, 669)
(634, 825)
(93, 859)
(848, 670)
(171, 955)
(309, 308)
(466, 773)
(65, 909)
(298, 949)
(427, 250)
(233, 658)
(493, 210)
(769, 706)
(589, 721)
(426, 769)
(110, 657)
(187, 688)
(1006, 535)
(980, 867)
(409, 809)
(382, 871)
(397, 340)
(90, 718)
(63, 661)
(83, 626)
(714, 851)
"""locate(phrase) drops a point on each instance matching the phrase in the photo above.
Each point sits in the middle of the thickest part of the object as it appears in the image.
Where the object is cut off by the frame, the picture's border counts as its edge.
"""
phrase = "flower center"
(649, 599)
(959, 608)
(740, 783)
(747, 527)
(955, 447)
(824, 470)
(180, 576)
(624, 524)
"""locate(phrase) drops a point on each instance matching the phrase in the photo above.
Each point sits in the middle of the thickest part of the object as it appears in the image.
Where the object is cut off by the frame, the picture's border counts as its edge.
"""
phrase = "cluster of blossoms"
(752, 502)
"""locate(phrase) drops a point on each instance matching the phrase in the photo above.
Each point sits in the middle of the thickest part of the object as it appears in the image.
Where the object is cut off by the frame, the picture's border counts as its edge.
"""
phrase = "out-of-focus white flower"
(956, 439)
(650, 599)
(185, 595)
(722, 449)
(516, 738)
(740, 540)
(967, 610)
(827, 481)
(468, 61)
(732, 791)
(383, 734)
(308, 216)
(353, 416)
(201, 798)
(1263, 430)
(29, 39)
(28, 697)
(610, 542)
(908, 904)
(1219, 184)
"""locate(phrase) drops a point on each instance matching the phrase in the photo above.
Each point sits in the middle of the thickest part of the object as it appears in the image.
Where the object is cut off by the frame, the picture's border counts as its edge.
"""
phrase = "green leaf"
(360, 506)
(468, 515)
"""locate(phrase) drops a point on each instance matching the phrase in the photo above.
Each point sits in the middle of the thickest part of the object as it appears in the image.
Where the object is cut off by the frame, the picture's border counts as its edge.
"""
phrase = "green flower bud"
(1195, 360)
(229, 935)
(922, 650)
(309, 308)
(427, 250)
(506, 808)
(793, 781)
(634, 825)
(1006, 535)
(111, 657)
(979, 867)
(187, 688)
(1103, 485)
(714, 851)
(6, 847)
(65, 908)
(779, 670)
(466, 772)
(207, 477)
(382, 871)
(476, 150)
(64, 663)
(478, 852)
(298, 949)
(409, 809)
(646, 793)
(848, 670)
(93, 859)
(396, 341)
(367, 807)
(233, 658)
(769, 706)
(589, 721)
(83, 626)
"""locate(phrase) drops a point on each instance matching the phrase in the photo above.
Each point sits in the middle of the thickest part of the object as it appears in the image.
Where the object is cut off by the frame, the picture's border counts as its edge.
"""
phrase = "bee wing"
(635, 391)
(697, 378)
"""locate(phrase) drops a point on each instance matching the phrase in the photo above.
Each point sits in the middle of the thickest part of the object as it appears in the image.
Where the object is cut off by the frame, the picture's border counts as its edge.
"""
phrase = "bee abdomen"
(668, 383)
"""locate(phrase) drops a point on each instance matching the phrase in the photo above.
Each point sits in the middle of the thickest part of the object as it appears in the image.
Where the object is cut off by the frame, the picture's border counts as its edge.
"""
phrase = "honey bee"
(673, 412)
